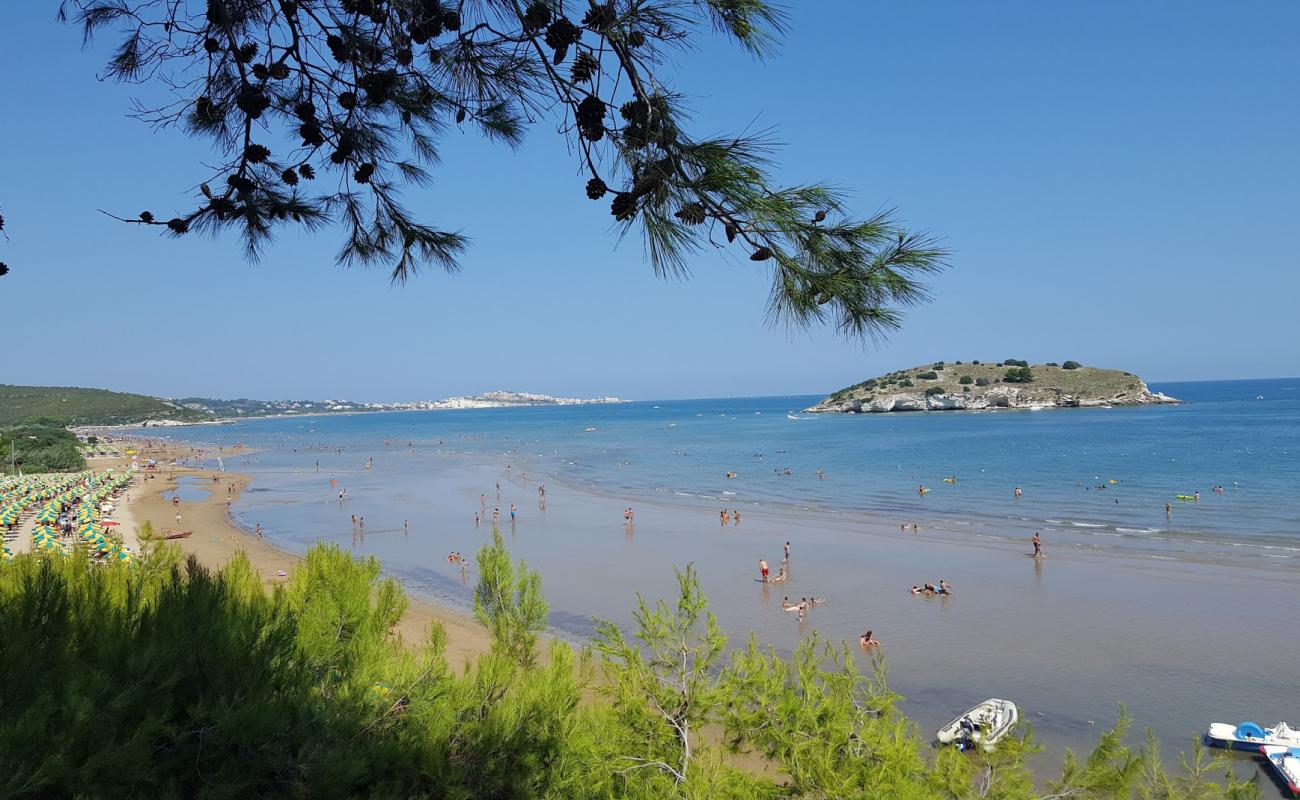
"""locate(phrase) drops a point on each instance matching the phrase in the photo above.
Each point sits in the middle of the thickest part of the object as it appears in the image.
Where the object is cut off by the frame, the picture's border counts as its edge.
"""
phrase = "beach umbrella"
(5, 554)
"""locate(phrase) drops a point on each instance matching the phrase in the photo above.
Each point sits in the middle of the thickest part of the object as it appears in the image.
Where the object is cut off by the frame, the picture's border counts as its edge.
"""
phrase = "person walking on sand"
(258, 530)
(1038, 545)
(762, 569)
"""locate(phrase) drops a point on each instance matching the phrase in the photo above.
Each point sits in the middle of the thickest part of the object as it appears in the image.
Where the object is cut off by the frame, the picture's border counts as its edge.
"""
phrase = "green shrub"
(965, 380)
(975, 362)
(966, 389)
(933, 390)
(906, 384)
(928, 376)
(1014, 362)
(1071, 365)
(164, 679)
(938, 365)
(981, 381)
(1018, 375)
(1053, 364)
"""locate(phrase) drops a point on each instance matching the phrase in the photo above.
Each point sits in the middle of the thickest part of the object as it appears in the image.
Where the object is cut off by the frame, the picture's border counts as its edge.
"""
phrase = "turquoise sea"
(1090, 477)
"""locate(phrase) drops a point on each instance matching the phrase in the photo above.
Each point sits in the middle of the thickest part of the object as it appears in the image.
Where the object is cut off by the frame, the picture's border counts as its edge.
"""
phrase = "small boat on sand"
(1285, 764)
(985, 725)
(177, 534)
(1251, 737)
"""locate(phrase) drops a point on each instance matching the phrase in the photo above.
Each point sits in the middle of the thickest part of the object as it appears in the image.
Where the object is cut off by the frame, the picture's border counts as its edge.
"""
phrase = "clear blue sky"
(1119, 184)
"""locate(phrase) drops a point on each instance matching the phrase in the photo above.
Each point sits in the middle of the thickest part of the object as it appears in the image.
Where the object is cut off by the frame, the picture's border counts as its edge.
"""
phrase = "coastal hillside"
(76, 406)
(975, 385)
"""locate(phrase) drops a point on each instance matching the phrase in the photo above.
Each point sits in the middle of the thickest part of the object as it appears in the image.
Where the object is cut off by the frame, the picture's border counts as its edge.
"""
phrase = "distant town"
(261, 408)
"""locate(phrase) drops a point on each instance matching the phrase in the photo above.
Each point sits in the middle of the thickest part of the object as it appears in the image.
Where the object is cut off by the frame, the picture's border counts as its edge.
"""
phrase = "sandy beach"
(216, 539)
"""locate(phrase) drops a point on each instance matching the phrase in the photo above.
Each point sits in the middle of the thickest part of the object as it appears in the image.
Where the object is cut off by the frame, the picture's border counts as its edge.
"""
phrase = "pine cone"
(178, 225)
(562, 33)
(635, 39)
(211, 45)
(279, 71)
(261, 72)
(146, 217)
(311, 134)
(600, 18)
(819, 216)
(246, 53)
(537, 16)
(761, 254)
(591, 118)
(306, 171)
(691, 214)
(4, 269)
(305, 111)
(256, 153)
(364, 172)
(584, 68)
(290, 177)
(240, 184)
(348, 100)
(623, 207)
(451, 20)
(460, 115)
(337, 48)
(596, 188)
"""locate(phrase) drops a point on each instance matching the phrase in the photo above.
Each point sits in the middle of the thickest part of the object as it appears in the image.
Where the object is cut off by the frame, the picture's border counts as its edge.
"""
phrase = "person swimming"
(867, 640)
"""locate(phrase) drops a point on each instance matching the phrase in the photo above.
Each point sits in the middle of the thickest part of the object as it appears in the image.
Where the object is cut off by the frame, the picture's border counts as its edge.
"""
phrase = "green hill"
(74, 406)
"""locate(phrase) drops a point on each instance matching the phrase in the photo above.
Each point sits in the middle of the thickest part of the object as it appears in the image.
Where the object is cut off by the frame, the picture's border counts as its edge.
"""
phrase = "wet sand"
(216, 539)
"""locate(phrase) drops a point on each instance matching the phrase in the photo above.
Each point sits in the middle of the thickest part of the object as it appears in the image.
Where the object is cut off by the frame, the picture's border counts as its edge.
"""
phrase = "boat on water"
(177, 534)
(1285, 764)
(984, 725)
(1251, 737)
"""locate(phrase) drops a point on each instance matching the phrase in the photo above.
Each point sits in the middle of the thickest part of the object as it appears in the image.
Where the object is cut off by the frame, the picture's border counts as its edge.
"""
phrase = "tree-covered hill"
(75, 406)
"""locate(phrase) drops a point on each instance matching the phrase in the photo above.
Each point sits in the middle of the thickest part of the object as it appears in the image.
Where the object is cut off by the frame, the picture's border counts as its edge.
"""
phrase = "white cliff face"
(980, 398)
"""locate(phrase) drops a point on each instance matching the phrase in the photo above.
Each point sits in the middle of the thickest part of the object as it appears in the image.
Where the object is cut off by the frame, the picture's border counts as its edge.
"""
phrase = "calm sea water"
(1090, 477)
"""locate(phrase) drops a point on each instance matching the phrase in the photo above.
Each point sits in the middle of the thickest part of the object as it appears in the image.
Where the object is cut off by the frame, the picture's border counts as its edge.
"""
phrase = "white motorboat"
(1251, 737)
(1285, 763)
(985, 725)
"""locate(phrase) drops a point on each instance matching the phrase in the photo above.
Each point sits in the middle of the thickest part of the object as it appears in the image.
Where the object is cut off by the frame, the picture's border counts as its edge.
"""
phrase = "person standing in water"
(1018, 492)
(762, 570)
(787, 553)
(1038, 545)
(512, 513)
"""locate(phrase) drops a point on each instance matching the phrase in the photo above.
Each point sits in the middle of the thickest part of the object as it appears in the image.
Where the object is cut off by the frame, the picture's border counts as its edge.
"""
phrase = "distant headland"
(84, 408)
(975, 386)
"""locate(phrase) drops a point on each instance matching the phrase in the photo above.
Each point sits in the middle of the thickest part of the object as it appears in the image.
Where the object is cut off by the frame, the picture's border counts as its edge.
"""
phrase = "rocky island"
(974, 386)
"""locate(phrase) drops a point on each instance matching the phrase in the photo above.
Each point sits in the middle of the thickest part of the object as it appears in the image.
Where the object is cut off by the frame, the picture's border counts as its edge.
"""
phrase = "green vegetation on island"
(1009, 383)
(73, 406)
(166, 680)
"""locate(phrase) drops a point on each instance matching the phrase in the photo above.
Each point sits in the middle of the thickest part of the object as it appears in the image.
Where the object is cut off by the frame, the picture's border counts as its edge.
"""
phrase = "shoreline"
(217, 538)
